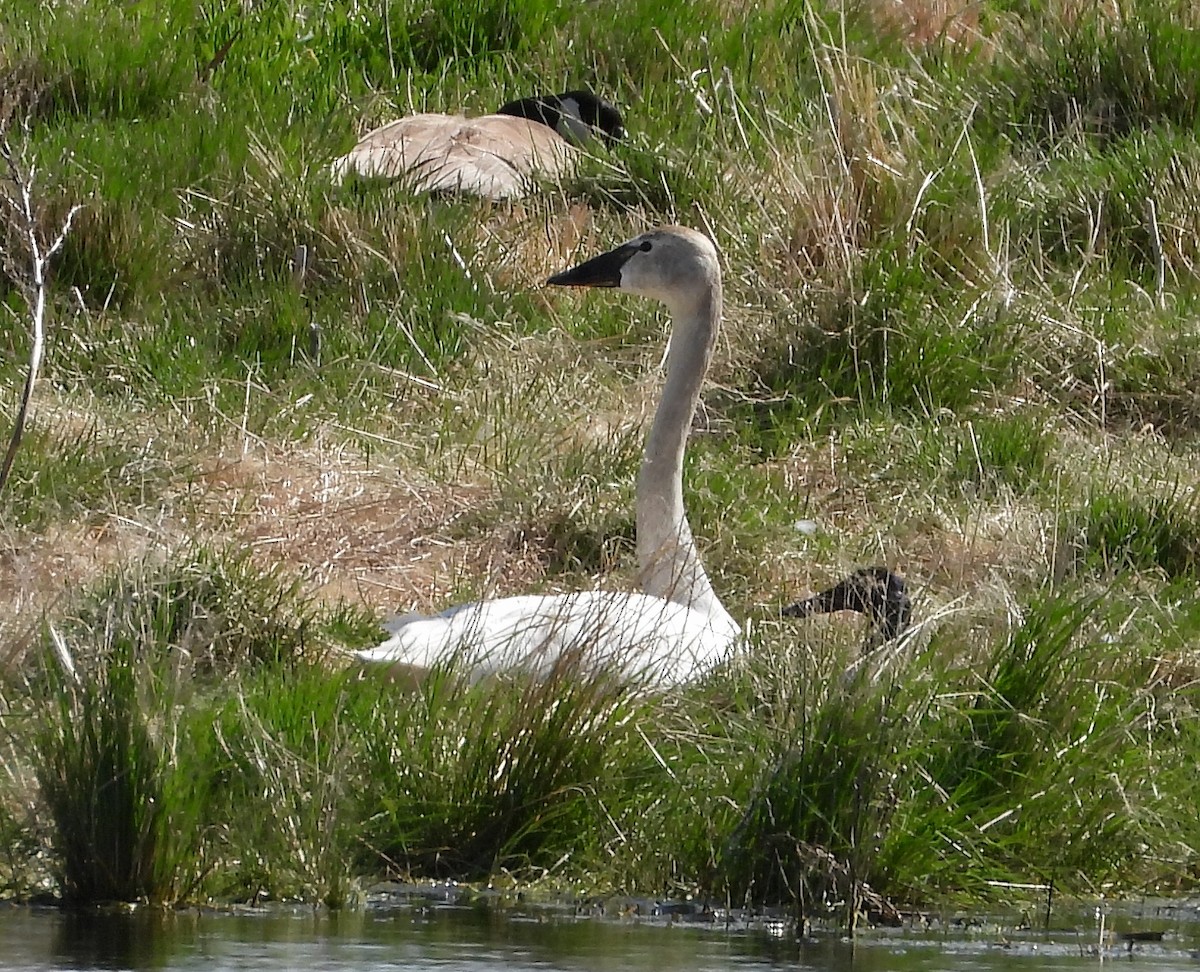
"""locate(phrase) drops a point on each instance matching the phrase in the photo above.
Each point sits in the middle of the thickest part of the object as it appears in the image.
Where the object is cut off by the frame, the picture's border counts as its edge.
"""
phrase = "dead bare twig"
(33, 286)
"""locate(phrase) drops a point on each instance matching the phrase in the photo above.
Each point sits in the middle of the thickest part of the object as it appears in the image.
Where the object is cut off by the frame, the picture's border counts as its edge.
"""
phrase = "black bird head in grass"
(877, 592)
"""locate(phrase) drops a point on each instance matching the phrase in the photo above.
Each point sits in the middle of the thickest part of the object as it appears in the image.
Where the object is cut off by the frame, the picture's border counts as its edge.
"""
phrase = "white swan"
(494, 156)
(677, 628)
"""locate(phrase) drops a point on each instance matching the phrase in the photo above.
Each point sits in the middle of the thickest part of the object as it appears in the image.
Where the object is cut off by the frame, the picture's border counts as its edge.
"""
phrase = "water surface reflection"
(447, 938)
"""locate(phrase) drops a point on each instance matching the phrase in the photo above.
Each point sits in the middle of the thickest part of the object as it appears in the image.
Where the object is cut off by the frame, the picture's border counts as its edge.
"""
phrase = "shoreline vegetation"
(960, 255)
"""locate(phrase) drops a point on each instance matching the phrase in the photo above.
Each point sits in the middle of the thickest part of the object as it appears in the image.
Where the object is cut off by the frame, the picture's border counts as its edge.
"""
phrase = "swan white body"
(495, 156)
(639, 637)
(675, 629)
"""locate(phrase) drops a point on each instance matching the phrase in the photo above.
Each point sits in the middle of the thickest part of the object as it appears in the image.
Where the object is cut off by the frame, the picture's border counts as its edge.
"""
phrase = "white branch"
(38, 260)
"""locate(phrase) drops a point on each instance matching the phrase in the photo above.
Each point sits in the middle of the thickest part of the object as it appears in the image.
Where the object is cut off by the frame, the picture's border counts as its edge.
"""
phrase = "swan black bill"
(601, 271)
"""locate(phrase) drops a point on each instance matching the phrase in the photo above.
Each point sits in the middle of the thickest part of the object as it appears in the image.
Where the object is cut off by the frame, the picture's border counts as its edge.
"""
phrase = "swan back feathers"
(642, 638)
(496, 156)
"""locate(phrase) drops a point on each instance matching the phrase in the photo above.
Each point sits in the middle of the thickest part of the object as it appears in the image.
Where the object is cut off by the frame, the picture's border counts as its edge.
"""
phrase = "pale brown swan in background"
(496, 156)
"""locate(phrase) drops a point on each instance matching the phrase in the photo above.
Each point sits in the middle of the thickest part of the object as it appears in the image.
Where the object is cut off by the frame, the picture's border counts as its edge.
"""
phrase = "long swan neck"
(670, 564)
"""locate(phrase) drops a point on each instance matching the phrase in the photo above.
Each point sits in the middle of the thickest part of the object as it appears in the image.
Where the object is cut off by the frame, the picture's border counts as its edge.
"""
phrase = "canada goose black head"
(876, 592)
(575, 115)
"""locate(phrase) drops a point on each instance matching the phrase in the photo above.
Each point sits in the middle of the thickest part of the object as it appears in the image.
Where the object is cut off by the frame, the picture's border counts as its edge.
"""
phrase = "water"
(433, 936)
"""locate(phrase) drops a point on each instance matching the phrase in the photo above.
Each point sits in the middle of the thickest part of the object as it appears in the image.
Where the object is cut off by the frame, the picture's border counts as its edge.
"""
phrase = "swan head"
(672, 264)
(575, 115)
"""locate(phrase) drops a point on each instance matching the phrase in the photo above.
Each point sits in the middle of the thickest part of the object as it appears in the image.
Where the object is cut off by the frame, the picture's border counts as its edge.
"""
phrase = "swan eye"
(646, 247)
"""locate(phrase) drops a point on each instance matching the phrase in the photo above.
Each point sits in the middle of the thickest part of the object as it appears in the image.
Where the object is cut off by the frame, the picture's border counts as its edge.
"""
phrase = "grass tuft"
(124, 811)
(510, 775)
(214, 612)
(1137, 532)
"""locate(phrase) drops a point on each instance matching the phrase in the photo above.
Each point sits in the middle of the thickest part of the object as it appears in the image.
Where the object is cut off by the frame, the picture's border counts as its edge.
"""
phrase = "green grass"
(281, 824)
(958, 339)
(1003, 788)
(1145, 533)
(508, 776)
(802, 774)
(1106, 74)
(116, 793)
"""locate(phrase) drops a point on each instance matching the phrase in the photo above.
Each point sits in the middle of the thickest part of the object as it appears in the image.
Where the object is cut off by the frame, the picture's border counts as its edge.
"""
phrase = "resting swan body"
(495, 156)
(674, 629)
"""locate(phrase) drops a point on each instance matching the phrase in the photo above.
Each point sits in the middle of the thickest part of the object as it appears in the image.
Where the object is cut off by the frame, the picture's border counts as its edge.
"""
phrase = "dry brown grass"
(524, 244)
(387, 538)
(835, 182)
(41, 571)
(352, 531)
(948, 551)
(451, 509)
(921, 23)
